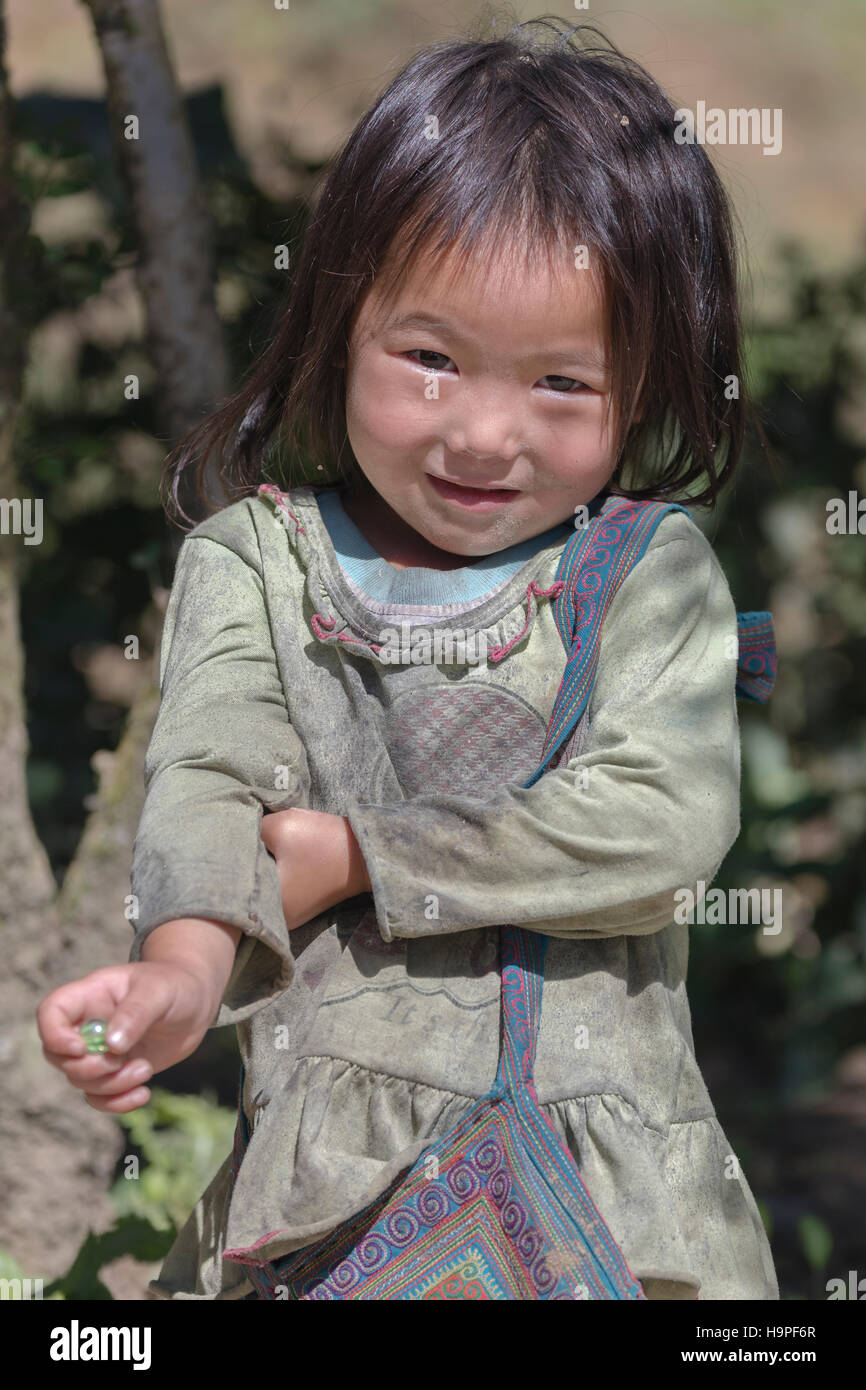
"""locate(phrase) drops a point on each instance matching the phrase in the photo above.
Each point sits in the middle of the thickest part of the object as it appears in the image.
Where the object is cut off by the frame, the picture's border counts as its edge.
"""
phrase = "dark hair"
(540, 137)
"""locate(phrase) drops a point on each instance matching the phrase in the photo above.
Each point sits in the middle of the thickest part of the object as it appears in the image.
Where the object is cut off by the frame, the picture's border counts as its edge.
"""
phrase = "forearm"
(598, 847)
(222, 750)
(319, 862)
(608, 865)
(206, 947)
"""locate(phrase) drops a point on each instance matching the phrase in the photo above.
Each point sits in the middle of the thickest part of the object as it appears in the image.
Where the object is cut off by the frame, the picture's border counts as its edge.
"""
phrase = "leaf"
(130, 1235)
(9, 1266)
(816, 1240)
(183, 1141)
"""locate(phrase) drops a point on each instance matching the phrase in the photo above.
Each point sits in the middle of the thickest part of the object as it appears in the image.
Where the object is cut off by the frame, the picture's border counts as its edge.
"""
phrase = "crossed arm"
(319, 861)
(657, 806)
(597, 847)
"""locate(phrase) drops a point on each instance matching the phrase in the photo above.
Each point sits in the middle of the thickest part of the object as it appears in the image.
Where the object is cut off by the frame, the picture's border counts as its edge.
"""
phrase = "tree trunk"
(158, 169)
(52, 1140)
(58, 1153)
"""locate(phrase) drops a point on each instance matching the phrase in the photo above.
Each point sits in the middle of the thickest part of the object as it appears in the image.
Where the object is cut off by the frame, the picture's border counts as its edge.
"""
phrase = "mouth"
(476, 498)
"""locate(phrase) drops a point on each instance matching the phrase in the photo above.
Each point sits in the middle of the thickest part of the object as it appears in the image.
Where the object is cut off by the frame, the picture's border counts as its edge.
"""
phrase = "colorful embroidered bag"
(497, 1208)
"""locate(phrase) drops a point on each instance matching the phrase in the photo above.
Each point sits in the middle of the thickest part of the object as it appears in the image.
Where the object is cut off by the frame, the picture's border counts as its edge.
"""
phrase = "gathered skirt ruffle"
(339, 1135)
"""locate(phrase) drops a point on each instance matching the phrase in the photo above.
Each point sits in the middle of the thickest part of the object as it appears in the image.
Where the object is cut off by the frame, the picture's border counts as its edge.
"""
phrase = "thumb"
(142, 1005)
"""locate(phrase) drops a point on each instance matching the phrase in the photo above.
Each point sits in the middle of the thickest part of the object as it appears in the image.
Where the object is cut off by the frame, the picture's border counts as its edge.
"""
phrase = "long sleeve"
(599, 846)
(222, 748)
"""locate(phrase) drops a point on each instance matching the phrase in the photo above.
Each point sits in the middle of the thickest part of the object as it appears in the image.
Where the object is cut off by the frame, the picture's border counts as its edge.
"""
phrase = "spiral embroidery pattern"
(495, 1210)
(756, 653)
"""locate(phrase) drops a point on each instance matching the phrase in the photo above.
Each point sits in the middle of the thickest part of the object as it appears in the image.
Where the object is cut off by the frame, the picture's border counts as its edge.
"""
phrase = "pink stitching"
(238, 1251)
(556, 588)
(497, 653)
(279, 496)
(359, 642)
(318, 621)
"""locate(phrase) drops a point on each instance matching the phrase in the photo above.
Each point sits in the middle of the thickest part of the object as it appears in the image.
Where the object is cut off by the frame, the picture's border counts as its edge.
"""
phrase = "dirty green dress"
(372, 1029)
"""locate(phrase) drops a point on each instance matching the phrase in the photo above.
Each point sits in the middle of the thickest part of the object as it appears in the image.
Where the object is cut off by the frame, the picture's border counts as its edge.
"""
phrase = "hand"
(163, 1009)
(319, 861)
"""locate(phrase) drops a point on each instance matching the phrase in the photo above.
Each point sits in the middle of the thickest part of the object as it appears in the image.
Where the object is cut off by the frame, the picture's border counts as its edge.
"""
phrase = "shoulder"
(679, 547)
(678, 582)
(237, 527)
(680, 528)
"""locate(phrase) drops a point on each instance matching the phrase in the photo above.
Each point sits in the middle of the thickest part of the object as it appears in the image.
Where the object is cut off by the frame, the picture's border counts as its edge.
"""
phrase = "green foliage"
(816, 341)
(776, 1014)
(182, 1141)
(796, 997)
(816, 1240)
(130, 1235)
(11, 1269)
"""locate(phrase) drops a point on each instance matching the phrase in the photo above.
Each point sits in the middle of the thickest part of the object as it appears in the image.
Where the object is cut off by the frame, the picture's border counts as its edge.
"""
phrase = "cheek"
(385, 406)
(585, 444)
(363, 421)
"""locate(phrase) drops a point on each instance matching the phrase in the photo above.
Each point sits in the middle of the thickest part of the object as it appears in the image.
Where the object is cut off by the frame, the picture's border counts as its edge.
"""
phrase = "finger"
(119, 1105)
(97, 1063)
(61, 1013)
(145, 1002)
(130, 1077)
(86, 1073)
(67, 1038)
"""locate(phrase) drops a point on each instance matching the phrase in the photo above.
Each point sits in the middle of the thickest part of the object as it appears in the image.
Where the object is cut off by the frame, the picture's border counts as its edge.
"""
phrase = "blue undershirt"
(385, 584)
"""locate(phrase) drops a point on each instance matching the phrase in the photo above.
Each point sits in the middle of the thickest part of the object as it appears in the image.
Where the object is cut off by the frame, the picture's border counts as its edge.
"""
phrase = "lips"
(472, 487)
(465, 495)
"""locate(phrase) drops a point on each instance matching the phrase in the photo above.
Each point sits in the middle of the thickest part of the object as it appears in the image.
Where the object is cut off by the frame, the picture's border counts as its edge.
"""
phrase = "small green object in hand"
(93, 1032)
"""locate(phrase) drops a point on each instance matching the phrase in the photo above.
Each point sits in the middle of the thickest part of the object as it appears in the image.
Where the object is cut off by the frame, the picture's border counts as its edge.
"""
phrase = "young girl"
(516, 297)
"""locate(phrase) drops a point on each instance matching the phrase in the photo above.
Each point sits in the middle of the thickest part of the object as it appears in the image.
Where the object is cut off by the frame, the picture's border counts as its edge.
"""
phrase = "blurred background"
(136, 284)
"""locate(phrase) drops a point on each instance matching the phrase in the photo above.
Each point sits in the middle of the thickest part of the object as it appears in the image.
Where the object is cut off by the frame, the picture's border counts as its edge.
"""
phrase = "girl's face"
(471, 383)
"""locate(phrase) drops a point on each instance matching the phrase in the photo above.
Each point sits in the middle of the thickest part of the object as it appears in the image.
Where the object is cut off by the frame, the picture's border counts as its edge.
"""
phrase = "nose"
(483, 428)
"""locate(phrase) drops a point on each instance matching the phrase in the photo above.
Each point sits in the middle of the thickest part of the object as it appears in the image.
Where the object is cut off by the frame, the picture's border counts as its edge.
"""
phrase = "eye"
(569, 381)
(428, 352)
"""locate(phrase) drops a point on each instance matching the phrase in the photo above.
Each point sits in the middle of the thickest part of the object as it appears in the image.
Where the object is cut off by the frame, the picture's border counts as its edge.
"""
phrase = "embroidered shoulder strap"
(593, 565)
(756, 656)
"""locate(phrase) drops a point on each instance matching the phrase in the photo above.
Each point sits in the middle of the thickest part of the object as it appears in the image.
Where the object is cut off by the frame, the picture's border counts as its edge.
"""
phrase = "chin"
(474, 551)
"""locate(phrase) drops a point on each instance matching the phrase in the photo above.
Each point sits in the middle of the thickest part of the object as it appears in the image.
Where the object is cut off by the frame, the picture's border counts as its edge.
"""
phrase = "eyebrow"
(418, 320)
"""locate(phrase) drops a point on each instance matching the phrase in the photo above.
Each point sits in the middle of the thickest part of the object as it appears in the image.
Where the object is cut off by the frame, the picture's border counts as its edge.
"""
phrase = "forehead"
(543, 295)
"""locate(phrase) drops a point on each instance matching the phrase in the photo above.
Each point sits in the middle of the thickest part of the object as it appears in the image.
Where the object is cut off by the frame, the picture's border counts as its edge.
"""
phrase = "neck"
(390, 536)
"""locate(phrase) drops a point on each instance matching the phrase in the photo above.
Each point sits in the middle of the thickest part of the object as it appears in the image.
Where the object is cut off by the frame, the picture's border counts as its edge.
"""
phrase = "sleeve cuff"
(264, 966)
(400, 897)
